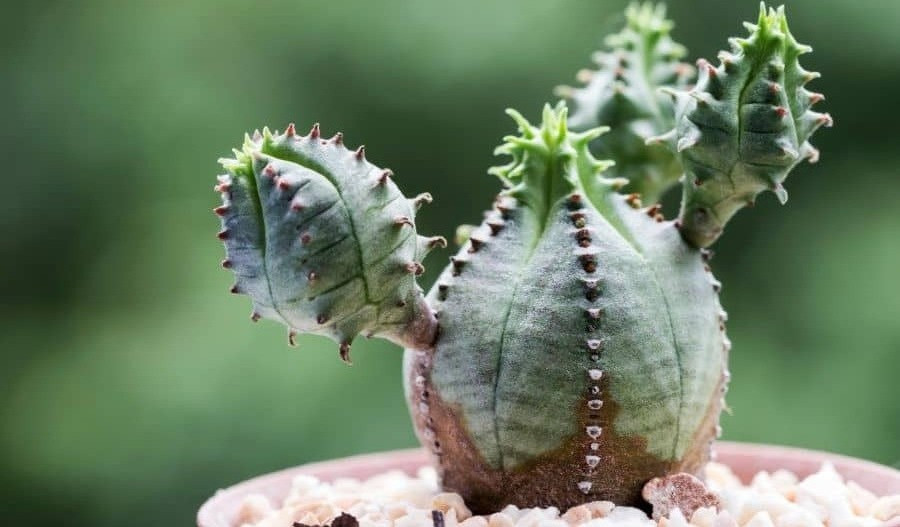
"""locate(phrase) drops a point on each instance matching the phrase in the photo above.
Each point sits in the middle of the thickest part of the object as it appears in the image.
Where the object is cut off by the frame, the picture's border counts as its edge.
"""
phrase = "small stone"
(719, 476)
(760, 519)
(860, 499)
(499, 519)
(886, 508)
(253, 509)
(474, 521)
(704, 517)
(600, 509)
(577, 515)
(394, 511)
(446, 501)
(682, 491)
(724, 519)
(676, 519)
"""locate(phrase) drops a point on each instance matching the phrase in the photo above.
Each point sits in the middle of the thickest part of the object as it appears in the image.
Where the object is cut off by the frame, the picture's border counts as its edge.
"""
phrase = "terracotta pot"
(743, 458)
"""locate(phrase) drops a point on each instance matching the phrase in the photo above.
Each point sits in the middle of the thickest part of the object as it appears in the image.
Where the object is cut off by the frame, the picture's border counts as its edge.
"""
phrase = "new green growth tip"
(624, 93)
(743, 127)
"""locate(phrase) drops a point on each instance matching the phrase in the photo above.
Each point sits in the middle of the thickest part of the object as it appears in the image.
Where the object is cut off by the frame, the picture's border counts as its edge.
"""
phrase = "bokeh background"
(132, 385)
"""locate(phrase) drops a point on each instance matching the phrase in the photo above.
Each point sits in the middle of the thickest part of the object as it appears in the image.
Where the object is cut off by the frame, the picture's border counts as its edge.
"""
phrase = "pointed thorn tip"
(345, 353)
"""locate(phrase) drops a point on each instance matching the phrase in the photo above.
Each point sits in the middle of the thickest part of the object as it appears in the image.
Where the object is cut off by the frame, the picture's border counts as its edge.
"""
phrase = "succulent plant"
(575, 346)
(625, 94)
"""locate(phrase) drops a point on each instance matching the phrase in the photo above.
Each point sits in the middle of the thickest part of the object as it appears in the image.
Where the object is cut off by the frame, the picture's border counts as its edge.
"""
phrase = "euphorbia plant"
(575, 347)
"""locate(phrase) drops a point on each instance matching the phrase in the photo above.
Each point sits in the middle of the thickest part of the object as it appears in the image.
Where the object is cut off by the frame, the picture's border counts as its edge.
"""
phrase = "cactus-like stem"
(624, 93)
(323, 241)
(743, 127)
(581, 350)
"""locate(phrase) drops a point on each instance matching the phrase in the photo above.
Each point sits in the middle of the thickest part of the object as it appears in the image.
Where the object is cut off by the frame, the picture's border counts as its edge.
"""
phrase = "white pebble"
(886, 508)
(254, 508)
(447, 501)
(394, 499)
(475, 521)
(760, 519)
(499, 519)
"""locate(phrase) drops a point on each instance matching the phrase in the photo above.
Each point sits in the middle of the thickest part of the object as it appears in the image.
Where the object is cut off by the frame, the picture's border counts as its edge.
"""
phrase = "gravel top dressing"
(394, 499)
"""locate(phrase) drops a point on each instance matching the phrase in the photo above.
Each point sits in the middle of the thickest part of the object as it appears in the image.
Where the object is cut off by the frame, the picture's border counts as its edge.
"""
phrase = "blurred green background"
(133, 385)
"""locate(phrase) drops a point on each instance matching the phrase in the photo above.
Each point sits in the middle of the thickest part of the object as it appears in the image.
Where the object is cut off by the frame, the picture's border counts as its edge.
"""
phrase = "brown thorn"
(437, 241)
(385, 175)
(315, 132)
(338, 139)
(414, 268)
(361, 152)
(422, 199)
(634, 200)
(221, 210)
(312, 276)
(305, 239)
(578, 219)
(283, 185)
(574, 201)
(255, 316)
(270, 171)
(321, 319)
(458, 264)
(476, 244)
(297, 206)
(345, 353)
(222, 235)
(226, 264)
(290, 131)
(400, 221)
(292, 337)
(222, 187)
(655, 212)
(813, 155)
(780, 111)
(235, 290)
(495, 226)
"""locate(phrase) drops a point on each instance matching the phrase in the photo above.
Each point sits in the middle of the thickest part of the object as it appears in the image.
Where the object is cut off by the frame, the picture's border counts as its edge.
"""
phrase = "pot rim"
(750, 458)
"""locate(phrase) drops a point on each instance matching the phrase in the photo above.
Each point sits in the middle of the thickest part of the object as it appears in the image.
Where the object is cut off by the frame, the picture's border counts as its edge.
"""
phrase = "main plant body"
(575, 346)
